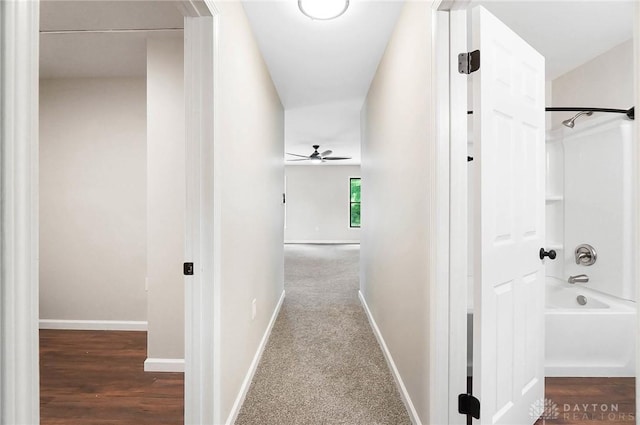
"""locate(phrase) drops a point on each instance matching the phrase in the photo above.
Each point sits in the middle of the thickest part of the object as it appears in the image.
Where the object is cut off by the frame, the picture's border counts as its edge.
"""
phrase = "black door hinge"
(187, 269)
(469, 62)
(469, 405)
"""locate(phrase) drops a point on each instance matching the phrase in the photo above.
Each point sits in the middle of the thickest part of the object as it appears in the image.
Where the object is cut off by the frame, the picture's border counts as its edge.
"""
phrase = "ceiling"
(567, 33)
(98, 54)
(314, 62)
(322, 70)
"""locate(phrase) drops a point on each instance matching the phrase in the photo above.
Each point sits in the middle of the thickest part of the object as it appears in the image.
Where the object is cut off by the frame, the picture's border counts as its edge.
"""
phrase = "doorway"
(112, 190)
(20, 405)
(554, 206)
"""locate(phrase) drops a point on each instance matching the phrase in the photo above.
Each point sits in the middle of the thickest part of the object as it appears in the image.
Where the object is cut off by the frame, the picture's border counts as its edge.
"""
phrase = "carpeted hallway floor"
(322, 364)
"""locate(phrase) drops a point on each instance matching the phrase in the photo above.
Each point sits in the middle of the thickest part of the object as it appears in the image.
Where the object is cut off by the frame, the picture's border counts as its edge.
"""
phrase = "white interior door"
(509, 132)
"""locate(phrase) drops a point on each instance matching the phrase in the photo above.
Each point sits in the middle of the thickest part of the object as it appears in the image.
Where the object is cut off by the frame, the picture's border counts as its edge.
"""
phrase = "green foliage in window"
(355, 202)
(355, 214)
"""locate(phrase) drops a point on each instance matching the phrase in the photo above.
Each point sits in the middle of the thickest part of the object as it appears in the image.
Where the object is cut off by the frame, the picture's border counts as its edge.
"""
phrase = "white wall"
(318, 201)
(165, 196)
(92, 199)
(251, 133)
(397, 150)
(606, 82)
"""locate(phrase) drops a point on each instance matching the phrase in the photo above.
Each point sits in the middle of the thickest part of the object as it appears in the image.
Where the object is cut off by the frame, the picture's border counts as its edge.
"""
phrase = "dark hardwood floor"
(587, 401)
(94, 377)
(592, 401)
(97, 377)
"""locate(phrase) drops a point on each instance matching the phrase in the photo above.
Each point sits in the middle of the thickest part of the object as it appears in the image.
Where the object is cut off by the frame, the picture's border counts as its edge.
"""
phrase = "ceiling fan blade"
(301, 159)
(335, 158)
(325, 153)
(295, 154)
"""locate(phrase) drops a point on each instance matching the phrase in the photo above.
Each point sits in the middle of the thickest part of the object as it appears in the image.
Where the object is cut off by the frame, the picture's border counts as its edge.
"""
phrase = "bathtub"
(595, 339)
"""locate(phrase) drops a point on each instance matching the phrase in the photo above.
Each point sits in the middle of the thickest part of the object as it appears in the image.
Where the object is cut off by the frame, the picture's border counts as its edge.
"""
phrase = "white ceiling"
(314, 62)
(100, 54)
(322, 70)
(567, 33)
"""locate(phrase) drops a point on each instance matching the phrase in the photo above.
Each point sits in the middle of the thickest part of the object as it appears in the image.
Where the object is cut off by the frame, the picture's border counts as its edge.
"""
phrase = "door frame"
(19, 228)
(19, 345)
(202, 219)
(451, 195)
(449, 291)
(636, 190)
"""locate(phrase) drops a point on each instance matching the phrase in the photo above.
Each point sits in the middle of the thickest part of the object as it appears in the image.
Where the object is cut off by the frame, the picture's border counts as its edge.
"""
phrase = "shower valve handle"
(551, 254)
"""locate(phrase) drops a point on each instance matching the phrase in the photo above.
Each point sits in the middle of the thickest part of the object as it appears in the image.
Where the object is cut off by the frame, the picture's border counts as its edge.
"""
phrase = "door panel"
(509, 131)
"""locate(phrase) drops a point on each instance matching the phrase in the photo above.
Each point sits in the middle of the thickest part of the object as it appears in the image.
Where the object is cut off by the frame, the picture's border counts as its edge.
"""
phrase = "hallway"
(322, 363)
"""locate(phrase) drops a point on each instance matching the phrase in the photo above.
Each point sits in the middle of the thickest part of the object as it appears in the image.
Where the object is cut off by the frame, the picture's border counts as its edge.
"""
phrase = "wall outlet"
(146, 283)
(253, 309)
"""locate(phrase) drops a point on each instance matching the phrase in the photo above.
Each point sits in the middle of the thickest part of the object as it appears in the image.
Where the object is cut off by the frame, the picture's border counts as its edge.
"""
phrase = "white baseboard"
(324, 242)
(94, 325)
(567, 371)
(413, 415)
(244, 388)
(163, 365)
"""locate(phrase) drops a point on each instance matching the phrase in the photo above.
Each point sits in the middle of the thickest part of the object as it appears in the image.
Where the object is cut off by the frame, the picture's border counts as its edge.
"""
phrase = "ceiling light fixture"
(323, 10)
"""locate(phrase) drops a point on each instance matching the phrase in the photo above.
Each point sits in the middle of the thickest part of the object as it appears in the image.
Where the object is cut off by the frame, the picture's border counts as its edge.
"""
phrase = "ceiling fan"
(317, 156)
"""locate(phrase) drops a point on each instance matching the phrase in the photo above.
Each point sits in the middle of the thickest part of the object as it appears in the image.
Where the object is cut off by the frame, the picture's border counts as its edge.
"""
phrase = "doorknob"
(551, 254)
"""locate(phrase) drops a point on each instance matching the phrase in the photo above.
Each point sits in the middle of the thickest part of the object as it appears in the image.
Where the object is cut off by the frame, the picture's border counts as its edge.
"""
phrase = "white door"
(509, 134)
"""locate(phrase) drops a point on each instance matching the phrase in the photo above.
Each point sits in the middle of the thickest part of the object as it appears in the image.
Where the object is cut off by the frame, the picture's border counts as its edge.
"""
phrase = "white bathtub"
(595, 339)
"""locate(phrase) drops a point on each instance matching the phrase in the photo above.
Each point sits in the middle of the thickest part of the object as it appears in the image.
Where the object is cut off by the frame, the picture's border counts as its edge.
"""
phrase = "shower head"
(571, 122)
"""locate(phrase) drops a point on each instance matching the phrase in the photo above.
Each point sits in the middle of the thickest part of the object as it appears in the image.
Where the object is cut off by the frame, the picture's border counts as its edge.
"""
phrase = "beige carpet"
(322, 364)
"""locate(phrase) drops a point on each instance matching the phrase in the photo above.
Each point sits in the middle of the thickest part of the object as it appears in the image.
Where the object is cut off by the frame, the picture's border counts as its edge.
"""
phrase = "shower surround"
(590, 201)
(590, 325)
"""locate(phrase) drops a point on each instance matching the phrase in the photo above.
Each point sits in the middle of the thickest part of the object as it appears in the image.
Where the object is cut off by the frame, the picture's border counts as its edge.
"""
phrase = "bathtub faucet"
(585, 255)
(581, 278)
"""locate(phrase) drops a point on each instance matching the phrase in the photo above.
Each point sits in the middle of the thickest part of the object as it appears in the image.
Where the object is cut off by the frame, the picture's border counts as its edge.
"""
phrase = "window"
(354, 209)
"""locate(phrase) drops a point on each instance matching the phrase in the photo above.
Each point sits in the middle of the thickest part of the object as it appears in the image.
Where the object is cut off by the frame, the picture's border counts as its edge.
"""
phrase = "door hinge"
(469, 405)
(469, 62)
(187, 269)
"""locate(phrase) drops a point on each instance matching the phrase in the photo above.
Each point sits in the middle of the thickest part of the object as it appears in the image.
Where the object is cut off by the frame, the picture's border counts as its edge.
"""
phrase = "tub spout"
(581, 278)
